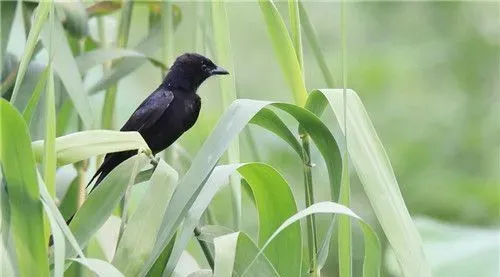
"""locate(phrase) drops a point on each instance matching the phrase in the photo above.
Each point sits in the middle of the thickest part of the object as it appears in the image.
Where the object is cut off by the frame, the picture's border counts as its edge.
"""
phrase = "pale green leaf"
(82, 145)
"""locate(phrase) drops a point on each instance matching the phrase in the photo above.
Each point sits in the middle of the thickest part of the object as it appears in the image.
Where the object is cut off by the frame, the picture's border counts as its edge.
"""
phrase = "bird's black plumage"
(169, 111)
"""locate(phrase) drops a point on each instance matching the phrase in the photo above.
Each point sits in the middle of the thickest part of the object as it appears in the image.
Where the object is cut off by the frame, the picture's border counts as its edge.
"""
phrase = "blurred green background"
(428, 74)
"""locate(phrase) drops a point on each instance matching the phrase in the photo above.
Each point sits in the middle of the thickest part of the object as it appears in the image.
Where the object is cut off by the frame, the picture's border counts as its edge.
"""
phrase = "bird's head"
(190, 70)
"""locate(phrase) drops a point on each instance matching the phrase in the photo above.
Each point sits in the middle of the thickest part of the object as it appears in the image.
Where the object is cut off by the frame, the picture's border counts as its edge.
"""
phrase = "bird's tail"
(111, 161)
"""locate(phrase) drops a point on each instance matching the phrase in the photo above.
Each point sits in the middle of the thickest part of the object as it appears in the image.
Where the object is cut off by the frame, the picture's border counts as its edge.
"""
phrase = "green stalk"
(311, 220)
(224, 57)
(81, 167)
(204, 248)
(293, 8)
(49, 161)
(344, 234)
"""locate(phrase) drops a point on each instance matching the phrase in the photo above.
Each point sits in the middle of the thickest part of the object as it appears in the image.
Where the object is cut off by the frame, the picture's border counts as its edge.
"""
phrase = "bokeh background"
(428, 75)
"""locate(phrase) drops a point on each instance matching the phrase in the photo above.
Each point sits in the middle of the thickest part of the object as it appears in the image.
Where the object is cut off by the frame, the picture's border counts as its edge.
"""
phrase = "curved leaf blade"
(379, 182)
(82, 145)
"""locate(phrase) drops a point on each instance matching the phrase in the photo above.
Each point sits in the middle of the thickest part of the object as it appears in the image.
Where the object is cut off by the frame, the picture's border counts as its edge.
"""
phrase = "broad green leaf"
(82, 145)
(35, 96)
(230, 125)
(275, 203)
(139, 236)
(379, 182)
(315, 46)
(99, 267)
(26, 211)
(372, 260)
(67, 69)
(40, 18)
(102, 201)
(234, 255)
(224, 57)
(284, 51)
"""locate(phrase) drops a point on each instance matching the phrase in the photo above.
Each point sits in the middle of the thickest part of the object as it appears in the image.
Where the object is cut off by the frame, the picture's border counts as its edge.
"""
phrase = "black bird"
(169, 111)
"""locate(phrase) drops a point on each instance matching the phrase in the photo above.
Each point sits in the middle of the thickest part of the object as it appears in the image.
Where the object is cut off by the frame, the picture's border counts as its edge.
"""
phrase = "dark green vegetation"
(427, 74)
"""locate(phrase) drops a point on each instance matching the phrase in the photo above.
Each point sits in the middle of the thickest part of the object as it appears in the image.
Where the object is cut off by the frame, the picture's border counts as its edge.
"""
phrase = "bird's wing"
(149, 111)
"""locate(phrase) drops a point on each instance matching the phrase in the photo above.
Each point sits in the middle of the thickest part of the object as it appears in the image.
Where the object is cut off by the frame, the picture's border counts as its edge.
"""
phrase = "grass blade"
(35, 96)
(284, 51)
(36, 27)
(314, 43)
(59, 243)
(378, 179)
(67, 69)
(7, 13)
(223, 54)
(26, 212)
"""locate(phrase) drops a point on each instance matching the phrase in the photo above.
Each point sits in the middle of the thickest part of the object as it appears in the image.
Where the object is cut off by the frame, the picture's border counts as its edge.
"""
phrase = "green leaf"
(67, 69)
(102, 201)
(229, 126)
(36, 27)
(233, 255)
(26, 214)
(224, 58)
(267, 119)
(49, 160)
(372, 260)
(103, 8)
(284, 51)
(35, 96)
(99, 267)
(142, 229)
(379, 182)
(315, 46)
(82, 145)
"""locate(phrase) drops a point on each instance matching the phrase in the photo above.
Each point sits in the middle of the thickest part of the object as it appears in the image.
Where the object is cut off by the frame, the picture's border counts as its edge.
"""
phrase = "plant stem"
(204, 248)
(311, 221)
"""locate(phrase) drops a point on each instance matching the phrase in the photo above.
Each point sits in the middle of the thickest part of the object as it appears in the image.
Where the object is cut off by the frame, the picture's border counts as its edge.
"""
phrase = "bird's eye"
(204, 67)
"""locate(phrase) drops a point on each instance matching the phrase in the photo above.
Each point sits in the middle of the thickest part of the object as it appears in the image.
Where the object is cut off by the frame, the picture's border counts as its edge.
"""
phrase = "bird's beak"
(219, 71)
